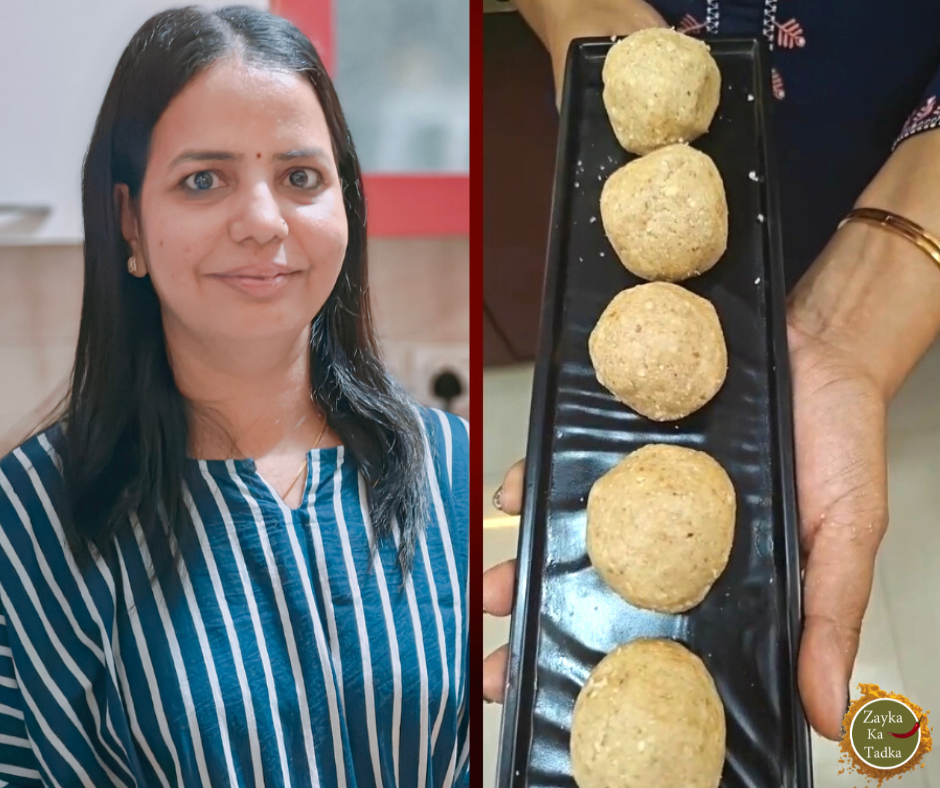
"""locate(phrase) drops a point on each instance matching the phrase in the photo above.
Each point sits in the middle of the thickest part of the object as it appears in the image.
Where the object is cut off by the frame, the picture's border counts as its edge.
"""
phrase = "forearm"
(538, 13)
(872, 293)
(557, 22)
(614, 17)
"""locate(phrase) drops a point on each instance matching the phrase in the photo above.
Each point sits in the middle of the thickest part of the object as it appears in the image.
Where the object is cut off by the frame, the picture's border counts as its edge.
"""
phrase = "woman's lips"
(255, 285)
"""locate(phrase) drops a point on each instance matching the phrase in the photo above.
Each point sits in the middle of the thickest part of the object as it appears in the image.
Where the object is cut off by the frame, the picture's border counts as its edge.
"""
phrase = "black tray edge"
(783, 392)
(532, 506)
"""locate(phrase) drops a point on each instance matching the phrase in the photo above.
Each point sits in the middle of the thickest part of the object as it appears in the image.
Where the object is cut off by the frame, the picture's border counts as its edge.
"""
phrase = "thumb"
(837, 586)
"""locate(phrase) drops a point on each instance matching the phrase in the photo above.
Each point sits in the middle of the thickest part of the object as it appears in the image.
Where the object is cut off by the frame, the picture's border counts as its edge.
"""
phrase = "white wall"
(56, 61)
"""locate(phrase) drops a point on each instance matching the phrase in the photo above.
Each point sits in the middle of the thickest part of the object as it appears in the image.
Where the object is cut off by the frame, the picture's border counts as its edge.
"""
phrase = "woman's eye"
(200, 181)
(305, 178)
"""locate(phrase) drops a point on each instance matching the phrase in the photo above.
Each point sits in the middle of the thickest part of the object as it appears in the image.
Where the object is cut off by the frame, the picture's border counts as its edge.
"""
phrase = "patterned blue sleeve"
(926, 116)
(18, 765)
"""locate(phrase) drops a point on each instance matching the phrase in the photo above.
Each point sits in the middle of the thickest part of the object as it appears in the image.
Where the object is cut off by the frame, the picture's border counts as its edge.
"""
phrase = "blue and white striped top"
(291, 658)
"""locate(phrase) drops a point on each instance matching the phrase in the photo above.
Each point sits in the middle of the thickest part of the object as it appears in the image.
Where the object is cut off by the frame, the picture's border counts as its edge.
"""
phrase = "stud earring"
(132, 264)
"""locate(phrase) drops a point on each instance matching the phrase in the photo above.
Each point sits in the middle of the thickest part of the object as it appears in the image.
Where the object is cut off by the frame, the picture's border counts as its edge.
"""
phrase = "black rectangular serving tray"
(565, 620)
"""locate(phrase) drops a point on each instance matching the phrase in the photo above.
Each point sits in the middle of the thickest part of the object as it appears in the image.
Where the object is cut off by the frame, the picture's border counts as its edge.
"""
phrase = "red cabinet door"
(402, 203)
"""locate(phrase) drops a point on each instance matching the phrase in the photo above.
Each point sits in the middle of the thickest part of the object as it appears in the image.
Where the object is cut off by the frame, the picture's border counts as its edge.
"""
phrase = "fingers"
(494, 674)
(508, 498)
(837, 587)
(498, 585)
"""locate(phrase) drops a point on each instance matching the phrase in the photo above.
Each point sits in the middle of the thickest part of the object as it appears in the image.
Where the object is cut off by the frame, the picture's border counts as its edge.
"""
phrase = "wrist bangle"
(898, 225)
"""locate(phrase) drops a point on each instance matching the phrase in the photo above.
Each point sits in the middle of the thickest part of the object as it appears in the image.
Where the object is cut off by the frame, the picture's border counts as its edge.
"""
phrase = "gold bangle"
(898, 225)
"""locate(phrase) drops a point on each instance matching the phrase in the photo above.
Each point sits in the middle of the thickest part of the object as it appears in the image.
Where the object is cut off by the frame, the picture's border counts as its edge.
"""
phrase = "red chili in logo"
(910, 733)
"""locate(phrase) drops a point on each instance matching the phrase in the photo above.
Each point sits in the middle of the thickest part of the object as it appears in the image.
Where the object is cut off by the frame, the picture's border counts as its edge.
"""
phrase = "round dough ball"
(660, 87)
(666, 214)
(660, 526)
(659, 349)
(649, 715)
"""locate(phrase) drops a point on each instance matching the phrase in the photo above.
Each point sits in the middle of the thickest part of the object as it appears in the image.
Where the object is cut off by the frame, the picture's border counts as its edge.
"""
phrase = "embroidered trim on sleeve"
(712, 17)
(924, 118)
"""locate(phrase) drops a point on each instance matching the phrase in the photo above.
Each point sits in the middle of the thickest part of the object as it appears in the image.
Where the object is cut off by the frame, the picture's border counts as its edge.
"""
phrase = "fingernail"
(498, 498)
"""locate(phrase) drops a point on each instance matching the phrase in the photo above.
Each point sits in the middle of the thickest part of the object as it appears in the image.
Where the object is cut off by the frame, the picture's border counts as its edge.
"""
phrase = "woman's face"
(241, 179)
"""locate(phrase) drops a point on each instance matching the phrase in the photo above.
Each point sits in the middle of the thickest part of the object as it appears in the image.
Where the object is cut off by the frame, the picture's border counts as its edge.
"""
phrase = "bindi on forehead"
(257, 155)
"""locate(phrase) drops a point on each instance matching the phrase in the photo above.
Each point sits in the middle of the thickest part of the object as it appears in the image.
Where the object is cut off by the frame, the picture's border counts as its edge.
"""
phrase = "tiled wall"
(419, 290)
(422, 309)
(40, 304)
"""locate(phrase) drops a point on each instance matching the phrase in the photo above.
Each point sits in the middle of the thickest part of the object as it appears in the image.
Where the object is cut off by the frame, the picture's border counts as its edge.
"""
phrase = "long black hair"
(125, 425)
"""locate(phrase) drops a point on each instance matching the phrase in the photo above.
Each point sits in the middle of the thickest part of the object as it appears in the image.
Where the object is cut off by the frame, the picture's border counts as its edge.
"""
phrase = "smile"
(257, 285)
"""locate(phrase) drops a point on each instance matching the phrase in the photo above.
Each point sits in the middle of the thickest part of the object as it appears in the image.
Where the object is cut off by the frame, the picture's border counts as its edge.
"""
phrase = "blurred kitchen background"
(901, 632)
(402, 74)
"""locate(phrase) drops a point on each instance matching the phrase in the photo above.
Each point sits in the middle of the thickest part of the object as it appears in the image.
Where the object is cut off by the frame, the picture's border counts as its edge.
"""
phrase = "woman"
(850, 131)
(238, 555)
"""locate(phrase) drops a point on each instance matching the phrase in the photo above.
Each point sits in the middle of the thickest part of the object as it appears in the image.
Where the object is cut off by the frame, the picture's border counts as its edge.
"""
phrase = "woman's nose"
(259, 217)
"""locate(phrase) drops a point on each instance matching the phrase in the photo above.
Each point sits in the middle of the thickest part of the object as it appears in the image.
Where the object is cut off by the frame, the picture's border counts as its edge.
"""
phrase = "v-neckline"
(247, 467)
